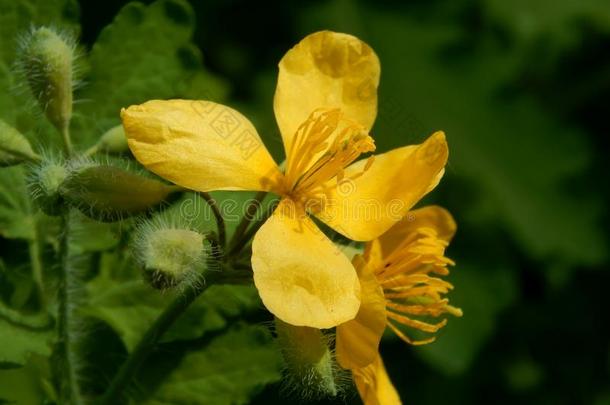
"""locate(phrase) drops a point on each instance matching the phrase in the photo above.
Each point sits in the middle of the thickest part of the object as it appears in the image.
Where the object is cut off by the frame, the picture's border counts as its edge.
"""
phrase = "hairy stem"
(65, 371)
(220, 222)
(149, 341)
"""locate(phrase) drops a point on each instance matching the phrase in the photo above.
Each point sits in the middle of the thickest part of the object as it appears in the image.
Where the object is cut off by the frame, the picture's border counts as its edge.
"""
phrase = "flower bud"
(47, 61)
(45, 184)
(113, 141)
(170, 257)
(108, 193)
(14, 147)
(309, 362)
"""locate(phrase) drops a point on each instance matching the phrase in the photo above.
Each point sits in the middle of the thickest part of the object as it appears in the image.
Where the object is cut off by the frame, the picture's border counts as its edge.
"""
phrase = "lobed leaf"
(229, 370)
(145, 53)
(21, 336)
(130, 307)
(16, 217)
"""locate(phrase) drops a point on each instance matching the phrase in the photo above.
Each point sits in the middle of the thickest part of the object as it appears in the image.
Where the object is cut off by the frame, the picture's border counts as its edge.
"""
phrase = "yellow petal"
(358, 340)
(301, 276)
(374, 385)
(368, 205)
(431, 216)
(326, 70)
(199, 145)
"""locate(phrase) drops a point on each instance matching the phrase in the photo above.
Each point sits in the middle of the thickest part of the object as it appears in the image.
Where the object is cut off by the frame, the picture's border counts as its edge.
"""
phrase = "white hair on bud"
(195, 261)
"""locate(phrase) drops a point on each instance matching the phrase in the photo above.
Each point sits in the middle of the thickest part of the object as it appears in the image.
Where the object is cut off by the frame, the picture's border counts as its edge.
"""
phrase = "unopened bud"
(14, 147)
(45, 184)
(47, 60)
(109, 193)
(170, 257)
(113, 141)
(309, 362)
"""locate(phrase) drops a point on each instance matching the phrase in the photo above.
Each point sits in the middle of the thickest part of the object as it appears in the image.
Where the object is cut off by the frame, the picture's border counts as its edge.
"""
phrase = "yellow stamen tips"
(410, 290)
(454, 311)
(323, 146)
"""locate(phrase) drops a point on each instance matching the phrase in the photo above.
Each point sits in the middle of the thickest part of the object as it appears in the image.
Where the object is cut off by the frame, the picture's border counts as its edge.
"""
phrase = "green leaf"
(15, 289)
(131, 306)
(25, 385)
(481, 293)
(217, 306)
(145, 53)
(92, 236)
(229, 370)
(21, 336)
(16, 219)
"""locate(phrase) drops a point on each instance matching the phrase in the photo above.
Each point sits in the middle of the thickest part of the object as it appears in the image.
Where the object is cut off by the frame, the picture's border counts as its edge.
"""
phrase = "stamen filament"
(409, 287)
(408, 340)
(423, 326)
(323, 146)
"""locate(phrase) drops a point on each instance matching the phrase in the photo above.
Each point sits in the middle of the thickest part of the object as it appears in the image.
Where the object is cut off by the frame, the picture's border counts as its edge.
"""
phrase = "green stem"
(249, 234)
(36, 263)
(220, 222)
(67, 140)
(149, 342)
(251, 209)
(66, 371)
(40, 321)
(92, 150)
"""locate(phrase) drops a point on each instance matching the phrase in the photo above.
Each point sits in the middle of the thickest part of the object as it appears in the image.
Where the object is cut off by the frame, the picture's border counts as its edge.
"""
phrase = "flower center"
(323, 146)
(410, 290)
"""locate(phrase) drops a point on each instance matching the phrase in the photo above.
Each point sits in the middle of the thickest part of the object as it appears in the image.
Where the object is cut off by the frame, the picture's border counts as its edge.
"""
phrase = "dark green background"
(521, 89)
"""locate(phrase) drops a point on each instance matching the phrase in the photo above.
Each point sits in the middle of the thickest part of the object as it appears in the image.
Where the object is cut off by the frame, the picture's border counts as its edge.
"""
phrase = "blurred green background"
(521, 89)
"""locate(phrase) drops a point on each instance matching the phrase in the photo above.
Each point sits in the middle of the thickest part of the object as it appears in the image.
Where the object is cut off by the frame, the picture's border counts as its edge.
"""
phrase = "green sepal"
(108, 193)
(113, 141)
(47, 59)
(171, 256)
(310, 366)
(14, 147)
(45, 184)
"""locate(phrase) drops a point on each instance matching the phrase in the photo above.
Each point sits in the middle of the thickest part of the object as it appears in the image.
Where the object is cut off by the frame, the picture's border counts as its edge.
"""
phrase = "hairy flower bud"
(113, 141)
(14, 147)
(109, 193)
(309, 362)
(169, 256)
(45, 183)
(47, 60)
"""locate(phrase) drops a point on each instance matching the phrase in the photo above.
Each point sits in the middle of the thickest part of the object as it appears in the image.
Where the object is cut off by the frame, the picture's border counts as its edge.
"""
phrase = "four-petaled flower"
(325, 105)
(398, 286)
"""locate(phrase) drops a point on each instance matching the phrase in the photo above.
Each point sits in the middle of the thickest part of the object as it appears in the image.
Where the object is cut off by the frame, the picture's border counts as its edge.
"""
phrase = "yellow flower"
(398, 286)
(325, 105)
